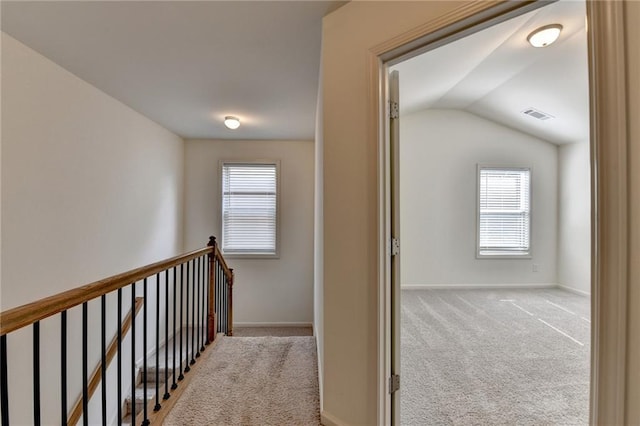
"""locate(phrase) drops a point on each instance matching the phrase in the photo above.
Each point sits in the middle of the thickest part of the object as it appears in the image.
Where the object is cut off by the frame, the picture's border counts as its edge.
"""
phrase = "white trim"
(575, 290)
(319, 364)
(272, 324)
(475, 286)
(403, 46)
(502, 254)
(380, 93)
(327, 419)
(608, 94)
(276, 253)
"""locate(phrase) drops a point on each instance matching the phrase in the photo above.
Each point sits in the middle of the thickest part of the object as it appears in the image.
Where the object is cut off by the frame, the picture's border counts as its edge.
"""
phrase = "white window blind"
(249, 208)
(504, 212)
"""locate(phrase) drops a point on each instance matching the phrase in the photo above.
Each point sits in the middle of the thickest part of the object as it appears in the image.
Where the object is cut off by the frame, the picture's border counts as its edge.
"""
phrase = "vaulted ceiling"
(187, 64)
(496, 74)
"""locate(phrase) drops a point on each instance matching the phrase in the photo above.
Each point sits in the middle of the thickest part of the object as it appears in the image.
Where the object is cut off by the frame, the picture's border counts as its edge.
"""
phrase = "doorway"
(471, 119)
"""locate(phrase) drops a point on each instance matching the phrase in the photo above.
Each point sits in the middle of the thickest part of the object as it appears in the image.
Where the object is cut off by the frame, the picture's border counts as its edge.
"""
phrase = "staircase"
(201, 284)
(150, 378)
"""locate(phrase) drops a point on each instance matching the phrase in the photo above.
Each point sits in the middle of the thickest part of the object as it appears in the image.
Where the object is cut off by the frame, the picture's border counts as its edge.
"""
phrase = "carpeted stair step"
(151, 374)
(151, 371)
(151, 377)
(139, 400)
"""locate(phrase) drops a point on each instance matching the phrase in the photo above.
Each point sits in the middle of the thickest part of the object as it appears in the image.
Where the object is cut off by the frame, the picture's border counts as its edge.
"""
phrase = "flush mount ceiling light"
(232, 122)
(544, 36)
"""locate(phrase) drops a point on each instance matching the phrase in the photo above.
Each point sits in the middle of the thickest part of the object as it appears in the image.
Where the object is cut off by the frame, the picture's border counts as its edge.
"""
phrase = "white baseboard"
(272, 324)
(474, 286)
(320, 368)
(575, 290)
(327, 419)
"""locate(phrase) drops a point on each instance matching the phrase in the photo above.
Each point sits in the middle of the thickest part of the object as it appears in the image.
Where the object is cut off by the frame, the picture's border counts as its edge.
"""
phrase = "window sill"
(503, 256)
(251, 256)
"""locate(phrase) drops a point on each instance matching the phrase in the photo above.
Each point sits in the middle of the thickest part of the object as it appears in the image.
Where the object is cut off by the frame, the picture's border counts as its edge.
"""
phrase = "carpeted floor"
(272, 331)
(253, 381)
(494, 357)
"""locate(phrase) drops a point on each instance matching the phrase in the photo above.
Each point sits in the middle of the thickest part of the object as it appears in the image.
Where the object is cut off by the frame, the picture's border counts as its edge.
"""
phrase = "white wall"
(350, 185)
(439, 153)
(350, 160)
(318, 245)
(632, 27)
(574, 217)
(90, 188)
(265, 290)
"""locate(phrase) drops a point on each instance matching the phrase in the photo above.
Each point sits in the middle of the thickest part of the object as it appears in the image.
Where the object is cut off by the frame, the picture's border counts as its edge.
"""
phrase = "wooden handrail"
(24, 315)
(32, 313)
(227, 271)
(94, 381)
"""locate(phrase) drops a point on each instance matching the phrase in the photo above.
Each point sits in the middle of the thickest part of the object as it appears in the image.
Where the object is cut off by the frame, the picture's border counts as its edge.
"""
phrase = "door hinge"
(394, 110)
(395, 247)
(394, 383)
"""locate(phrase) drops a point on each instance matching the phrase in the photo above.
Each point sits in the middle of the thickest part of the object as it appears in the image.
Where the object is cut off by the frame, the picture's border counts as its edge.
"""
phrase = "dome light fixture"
(232, 122)
(544, 36)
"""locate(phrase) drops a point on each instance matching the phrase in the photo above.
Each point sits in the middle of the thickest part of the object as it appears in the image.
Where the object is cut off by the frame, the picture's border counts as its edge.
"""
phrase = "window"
(249, 208)
(504, 212)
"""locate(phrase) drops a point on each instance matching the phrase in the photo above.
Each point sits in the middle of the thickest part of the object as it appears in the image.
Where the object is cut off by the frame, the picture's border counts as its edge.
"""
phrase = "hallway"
(266, 380)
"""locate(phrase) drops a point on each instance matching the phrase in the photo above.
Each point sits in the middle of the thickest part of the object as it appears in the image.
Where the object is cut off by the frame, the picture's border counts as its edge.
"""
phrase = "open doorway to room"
(495, 219)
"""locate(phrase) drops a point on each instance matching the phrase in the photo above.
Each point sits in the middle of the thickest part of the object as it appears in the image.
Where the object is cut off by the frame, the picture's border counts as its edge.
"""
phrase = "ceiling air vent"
(538, 114)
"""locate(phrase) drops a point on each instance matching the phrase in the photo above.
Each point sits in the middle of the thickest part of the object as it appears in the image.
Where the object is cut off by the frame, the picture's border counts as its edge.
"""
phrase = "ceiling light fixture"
(544, 36)
(232, 122)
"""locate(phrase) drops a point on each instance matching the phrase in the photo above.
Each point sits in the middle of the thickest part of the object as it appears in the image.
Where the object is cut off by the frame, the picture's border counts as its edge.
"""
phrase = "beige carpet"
(495, 357)
(253, 381)
(272, 331)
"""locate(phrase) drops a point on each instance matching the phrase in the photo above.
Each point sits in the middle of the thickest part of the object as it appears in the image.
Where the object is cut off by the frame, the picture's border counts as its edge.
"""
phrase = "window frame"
(249, 255)
(503, 255)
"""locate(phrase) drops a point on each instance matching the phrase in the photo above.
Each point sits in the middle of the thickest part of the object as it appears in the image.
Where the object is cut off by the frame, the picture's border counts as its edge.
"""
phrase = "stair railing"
(192, 290)
(96, 376)
(222, 277)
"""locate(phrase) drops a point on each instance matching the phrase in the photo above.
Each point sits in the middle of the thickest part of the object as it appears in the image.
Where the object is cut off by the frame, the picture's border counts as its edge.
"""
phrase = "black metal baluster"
(218, 297)
(4, 381)
(216, 272)
(119, 362)
(203, 304)
(224, 299)
(145, 420)
(174, 385)
(166, 335)
(85, 366)
(36, 373)
(226, 302)
(157, 406)
(181, 376)
(63, 367)
(207, 276)
(187, 368)
(193, 311)
(222, 286)
(133, 353)
(197, 307)
(103, 335)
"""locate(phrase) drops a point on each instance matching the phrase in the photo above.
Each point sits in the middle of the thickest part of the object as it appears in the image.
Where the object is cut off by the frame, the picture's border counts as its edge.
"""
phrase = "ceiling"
(188, 64)
(496, 74)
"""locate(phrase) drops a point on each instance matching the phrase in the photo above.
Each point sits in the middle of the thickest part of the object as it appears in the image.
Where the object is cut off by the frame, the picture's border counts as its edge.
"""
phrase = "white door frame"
(610, 180)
